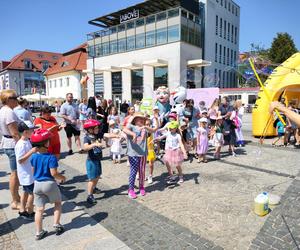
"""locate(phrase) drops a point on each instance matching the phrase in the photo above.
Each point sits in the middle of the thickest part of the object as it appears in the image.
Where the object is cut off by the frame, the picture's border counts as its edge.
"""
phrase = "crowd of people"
(185, 132)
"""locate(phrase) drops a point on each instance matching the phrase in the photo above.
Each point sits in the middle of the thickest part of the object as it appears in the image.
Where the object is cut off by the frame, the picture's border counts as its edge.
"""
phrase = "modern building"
(221, 46)
(24, 72)
(65, 77)
(161, 42)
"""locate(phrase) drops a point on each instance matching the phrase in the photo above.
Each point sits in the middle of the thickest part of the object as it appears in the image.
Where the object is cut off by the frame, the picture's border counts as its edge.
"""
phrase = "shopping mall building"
(163, 42)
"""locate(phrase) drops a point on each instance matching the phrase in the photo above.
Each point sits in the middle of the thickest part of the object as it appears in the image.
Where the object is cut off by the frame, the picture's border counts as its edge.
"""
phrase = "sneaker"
(172, 180)
(142, 191)
(59, 229)
(180, 179)
(70, 152)
(96, 191)
(24, 215)
(132, 194)
(150, 179)
(41, 235)
(91, 200)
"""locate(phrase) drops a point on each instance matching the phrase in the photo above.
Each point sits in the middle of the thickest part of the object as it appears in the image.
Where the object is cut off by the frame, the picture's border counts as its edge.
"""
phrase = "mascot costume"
(178, 96)
(163, 101)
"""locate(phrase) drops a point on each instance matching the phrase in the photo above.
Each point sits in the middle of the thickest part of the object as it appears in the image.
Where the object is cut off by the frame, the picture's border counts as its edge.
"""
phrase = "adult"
(98, 100)
(22, 113)
(123, 110)
(191, 115)
(240, 110)
(10, 135)
(213, 112)
(70, 113)
(83, 111)
(48, 122)
(102, 114)
(225, 110)
(91, 111)
(57, 107)
(290, 114)
(202, 106)
(137, 106)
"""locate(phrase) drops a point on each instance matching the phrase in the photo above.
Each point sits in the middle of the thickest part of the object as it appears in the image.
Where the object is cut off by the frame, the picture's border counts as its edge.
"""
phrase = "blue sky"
(59, 25)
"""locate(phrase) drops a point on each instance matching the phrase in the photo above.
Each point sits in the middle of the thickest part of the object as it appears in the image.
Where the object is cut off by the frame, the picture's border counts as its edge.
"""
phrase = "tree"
(282, 48)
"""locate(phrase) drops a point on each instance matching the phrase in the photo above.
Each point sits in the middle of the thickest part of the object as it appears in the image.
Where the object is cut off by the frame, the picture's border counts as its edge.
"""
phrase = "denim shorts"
(28, 189)
(93, 169)
(10, 152)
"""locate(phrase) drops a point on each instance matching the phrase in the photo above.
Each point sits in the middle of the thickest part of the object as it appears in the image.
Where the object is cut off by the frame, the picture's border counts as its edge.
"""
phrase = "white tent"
(36, 97)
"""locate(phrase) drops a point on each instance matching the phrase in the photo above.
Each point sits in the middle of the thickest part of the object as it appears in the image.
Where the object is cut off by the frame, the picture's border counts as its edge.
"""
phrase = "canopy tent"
(36, 97)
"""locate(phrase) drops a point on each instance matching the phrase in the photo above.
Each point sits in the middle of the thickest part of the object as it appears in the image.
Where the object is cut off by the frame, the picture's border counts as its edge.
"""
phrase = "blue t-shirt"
(280, 127)
(42, 163)
(22, 114)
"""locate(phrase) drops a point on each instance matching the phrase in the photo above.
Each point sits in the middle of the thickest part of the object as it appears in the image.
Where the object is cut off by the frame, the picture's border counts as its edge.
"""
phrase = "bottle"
(261, 204)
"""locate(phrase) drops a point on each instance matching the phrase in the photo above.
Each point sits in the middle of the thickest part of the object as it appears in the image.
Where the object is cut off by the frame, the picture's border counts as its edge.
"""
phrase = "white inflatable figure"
(178, 96)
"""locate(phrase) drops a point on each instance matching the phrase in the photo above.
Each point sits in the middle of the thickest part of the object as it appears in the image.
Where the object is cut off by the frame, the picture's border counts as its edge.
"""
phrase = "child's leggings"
(137, 163)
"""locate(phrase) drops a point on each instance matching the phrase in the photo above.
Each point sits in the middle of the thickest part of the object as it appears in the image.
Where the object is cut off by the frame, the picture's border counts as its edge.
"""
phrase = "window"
(91, 51)
(55, 57)
(217, 24)
(173, 33)
(224, 78)
(121, 27)
(98, 50)
(220, 55)
(60, 83)
(122, 45)
(216, 52)
(27, 64)
(229, 6)
(184, 13)
(140, 22)
(221, 2)
(225, 4)
(225, 26)
(116, 82)
(231, 58)
(224, 55)
(45, 65)
(150, 19)
(235, 35)
(54, 83)
(65, 64)
(221, 26)
(220, 74)
(50, 84)
(114, 47)
(67, 81)
(150, 38)
(113, 30)
(40, 55)
(99, 84)
(228, 34)
(232, 33)
(161, 36)
(216, 76)
(173, 13)
(184, 33)
(191, 17)
(161, 16)
(236, 12)
(105, 49)
(234, 58)
(137, 88)
(227, 78)
(233, 9)
(130, 25)
(140, 41)
(227, 56)
(130, 43)
(160, 77)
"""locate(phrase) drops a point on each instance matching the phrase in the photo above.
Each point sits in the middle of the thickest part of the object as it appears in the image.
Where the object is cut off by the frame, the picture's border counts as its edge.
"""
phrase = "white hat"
(203, 119)
(155, 108)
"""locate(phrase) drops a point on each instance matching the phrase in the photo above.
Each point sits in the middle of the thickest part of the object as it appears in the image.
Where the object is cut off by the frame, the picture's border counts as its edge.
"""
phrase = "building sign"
(134, 14)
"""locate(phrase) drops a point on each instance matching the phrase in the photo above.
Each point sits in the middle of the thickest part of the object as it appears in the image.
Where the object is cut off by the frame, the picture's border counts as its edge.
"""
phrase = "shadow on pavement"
(4, 185)
(3, 173)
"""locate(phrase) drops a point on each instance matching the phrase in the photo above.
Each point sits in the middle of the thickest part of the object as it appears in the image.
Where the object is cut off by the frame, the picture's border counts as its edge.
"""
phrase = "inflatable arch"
(283, 82)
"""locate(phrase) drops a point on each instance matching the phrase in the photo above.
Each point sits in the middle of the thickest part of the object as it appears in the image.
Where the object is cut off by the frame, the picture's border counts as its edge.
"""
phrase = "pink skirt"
(174, 157)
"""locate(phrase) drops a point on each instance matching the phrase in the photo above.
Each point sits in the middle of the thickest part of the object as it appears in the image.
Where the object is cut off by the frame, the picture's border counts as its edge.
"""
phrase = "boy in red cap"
(45, 187)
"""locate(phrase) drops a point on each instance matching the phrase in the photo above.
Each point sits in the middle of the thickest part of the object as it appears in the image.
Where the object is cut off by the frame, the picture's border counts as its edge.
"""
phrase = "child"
(280, 128)
(151, 154)
(218, 137)
(23, 151)
(175, 152)
(45, 187)
(113, 115)
(92, 145)
(115, 148)
(202, 140)
(136, 132)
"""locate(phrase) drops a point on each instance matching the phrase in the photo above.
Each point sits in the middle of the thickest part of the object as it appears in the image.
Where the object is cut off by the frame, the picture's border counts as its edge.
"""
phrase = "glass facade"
(160, 77)
(174, 25)
(116, 79)
(137, 85)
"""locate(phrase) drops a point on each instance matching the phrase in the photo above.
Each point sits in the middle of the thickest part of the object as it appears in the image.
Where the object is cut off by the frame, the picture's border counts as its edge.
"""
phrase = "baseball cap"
(25, 125)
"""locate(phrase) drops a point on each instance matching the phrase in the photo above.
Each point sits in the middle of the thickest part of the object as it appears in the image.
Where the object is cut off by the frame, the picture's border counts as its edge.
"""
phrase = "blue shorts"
(280, 134)
(93, 169)
(28, 189)
(10, 152)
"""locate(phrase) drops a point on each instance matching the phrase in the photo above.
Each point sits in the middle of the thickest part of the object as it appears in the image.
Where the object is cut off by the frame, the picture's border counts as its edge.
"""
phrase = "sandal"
(15, 205)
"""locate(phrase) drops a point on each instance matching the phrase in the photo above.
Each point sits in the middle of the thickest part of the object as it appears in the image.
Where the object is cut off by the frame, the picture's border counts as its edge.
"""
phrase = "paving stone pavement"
(8, 239)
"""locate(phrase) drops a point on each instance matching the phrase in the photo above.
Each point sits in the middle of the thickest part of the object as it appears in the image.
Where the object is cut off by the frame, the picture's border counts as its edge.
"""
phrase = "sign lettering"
(134, 14)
